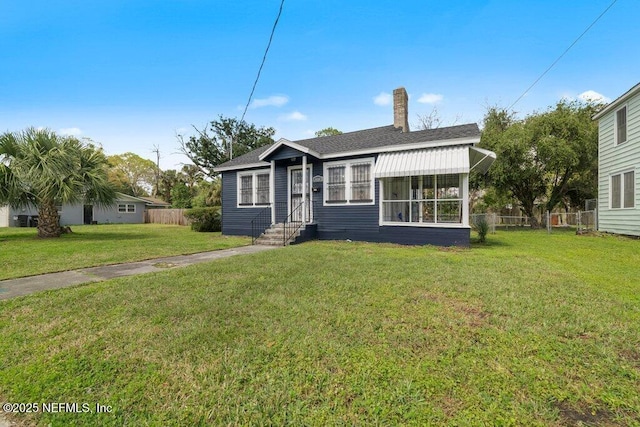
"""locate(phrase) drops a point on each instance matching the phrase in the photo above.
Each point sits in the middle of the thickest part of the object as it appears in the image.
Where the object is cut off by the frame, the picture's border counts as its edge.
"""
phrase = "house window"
(361, 183)
(336, 184)
(349, 182)
(253, 188)
(426, 199)
(126, 208)
(623, 190)
(621, 125)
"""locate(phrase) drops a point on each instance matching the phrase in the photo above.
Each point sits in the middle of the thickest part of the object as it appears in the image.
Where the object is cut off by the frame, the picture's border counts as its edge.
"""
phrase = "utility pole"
(156, 150)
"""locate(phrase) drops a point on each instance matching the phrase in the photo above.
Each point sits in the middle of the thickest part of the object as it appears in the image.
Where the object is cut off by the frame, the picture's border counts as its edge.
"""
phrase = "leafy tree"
(168, 179)
(191, 175)
(181, 196)
(221, 140)
(328, 132)
(132, 174)
(42, 169)
(544, 158)
(209, 194)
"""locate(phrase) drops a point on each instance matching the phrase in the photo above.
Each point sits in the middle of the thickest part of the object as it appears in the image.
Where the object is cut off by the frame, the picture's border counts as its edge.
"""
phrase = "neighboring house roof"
(154, 201)
(368, 141)
(618, 102)
(148, 201)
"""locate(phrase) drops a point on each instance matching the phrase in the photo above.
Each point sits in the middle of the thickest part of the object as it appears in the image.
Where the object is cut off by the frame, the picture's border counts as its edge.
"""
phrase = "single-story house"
(127, 210)
(385, 184)
(619, 164)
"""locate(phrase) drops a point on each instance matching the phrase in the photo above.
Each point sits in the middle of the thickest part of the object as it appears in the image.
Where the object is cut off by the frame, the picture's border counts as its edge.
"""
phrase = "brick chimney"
(401, 109)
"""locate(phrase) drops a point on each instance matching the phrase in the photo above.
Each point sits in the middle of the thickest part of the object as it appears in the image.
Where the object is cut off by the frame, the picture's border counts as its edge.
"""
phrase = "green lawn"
(530, 329)
(22, 253)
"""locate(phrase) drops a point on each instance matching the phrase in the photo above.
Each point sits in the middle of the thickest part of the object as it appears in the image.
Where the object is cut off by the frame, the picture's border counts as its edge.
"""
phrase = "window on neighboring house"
(621, 125)
(349, 182)
(427, 199)
(126, 208)
(623, 190)
(253, 188)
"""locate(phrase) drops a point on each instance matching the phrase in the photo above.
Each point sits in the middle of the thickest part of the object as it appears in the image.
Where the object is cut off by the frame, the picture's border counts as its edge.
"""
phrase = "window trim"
(254, 189)
(347, 182)
(463, 180)
(126, 207)
(615, 125)
(622, 188)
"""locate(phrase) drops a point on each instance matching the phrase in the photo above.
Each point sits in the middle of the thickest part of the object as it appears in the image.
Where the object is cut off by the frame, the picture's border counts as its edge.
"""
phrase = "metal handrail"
(260, 223)
(292, 227)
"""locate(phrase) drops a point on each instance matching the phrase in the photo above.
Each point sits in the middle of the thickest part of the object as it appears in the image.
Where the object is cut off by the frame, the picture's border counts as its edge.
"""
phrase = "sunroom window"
(427, 199)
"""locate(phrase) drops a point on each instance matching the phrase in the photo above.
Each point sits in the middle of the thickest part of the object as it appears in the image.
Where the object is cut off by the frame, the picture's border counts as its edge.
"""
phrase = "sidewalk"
(27, 285)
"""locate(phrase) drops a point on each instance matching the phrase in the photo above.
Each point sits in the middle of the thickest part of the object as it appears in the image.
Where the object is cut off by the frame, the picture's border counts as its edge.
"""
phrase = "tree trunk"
(48, 220)
(528, 209)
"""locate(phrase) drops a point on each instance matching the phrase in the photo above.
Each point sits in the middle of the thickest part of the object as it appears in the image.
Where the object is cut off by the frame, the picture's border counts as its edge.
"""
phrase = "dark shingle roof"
(366, 139)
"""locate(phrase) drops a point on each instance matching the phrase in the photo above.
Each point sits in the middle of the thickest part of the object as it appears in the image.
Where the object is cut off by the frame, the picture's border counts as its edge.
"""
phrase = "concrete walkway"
(27, 285)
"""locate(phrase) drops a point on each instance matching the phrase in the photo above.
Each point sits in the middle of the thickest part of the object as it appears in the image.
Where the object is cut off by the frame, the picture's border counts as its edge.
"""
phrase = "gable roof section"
(618, 102)
(368, 141)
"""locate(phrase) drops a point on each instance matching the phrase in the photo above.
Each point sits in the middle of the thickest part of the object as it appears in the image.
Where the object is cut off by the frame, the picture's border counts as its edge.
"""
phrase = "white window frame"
(463, 182)
(616, 126)
(347, 182)
(622, 189)
(126, 208)
(254, 182)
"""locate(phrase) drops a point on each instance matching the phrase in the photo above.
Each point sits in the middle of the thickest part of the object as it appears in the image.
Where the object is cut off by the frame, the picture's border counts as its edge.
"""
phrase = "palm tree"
(41, 169)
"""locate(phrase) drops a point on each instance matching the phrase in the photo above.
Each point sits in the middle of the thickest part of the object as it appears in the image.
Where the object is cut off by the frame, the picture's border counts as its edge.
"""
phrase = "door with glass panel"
(296, 196)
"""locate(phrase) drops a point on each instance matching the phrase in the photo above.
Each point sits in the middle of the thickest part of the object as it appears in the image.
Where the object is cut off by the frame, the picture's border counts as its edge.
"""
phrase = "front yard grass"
(529, 329)
(22, 253)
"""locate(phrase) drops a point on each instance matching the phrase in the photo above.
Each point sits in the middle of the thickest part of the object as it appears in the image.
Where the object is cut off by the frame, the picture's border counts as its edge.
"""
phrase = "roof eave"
(405, 147)
(617, 102)
(242, 166)
(290, 144)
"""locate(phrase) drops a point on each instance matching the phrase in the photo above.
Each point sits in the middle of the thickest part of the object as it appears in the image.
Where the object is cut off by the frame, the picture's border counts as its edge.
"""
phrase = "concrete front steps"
(274, 236)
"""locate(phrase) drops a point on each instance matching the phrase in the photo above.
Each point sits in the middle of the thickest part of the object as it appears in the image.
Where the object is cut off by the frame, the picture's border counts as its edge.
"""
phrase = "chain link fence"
(581, 221)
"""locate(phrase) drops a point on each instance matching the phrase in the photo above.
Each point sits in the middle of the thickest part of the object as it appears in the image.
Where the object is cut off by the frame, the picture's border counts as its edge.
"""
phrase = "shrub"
(205, 219)
(482, 228)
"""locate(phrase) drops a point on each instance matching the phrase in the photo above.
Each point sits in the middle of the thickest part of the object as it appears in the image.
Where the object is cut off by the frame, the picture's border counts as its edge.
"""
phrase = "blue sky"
(130, 74)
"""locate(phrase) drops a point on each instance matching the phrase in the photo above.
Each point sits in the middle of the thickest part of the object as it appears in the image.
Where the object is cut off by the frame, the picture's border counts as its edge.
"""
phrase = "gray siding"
(112, 216)
(614, 159)
(72, 215)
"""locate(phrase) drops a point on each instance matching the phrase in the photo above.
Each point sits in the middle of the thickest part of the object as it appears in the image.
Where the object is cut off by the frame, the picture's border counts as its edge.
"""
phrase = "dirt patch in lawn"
(570, 416)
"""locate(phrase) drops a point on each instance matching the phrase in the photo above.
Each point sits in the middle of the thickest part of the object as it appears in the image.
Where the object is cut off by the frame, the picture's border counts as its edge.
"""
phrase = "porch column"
(305, 187)
(272, 191)
(465, 199)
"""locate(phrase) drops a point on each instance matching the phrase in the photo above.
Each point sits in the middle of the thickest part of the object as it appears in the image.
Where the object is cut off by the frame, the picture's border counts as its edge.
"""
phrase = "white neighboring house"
(619, 165)
(126, 210)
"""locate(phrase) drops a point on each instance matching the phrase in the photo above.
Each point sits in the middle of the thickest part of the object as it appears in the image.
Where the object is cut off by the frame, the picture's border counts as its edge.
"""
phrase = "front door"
(88, 214)
(296, 193)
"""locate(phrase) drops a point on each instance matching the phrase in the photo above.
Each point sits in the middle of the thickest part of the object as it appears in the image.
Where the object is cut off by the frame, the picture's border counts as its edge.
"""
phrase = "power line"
(264, 58)
(563, 54)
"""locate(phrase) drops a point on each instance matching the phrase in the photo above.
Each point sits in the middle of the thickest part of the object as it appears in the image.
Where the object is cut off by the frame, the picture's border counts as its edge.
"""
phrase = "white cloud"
(592, 95)
(382, 99)
(272, 101)
(295, 116)
(70, 132)
(430, 98)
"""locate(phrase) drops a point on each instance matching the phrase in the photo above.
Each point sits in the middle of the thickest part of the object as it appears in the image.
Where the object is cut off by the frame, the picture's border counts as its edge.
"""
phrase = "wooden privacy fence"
(166, 216)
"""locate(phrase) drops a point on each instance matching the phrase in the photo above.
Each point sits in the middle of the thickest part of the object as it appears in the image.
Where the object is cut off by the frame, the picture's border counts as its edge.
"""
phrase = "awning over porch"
(433, 161)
